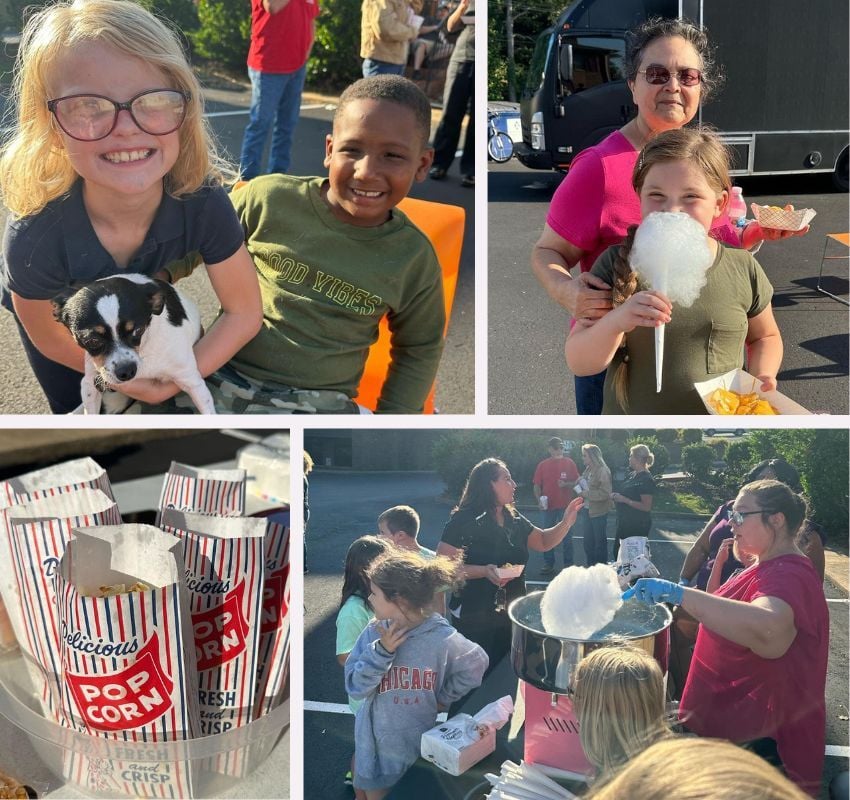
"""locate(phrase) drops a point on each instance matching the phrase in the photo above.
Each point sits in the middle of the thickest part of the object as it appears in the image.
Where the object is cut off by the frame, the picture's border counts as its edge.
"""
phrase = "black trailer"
(782, 110)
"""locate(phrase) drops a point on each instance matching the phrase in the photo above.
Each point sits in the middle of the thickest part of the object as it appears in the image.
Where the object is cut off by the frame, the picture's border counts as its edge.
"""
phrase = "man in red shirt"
(281, 37)
(554, 479)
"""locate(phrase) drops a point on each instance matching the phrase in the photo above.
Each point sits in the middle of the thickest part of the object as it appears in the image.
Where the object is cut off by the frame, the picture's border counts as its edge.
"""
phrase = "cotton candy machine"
(546, 665)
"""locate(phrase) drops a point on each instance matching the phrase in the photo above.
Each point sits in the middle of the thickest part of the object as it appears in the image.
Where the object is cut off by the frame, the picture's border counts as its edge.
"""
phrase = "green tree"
(335, 60)
(224, 32)
(697, 460)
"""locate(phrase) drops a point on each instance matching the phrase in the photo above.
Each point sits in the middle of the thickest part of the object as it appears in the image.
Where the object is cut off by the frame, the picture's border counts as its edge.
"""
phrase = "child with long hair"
(407, 665)
(679, 171)
(110, 169)
(620, 706)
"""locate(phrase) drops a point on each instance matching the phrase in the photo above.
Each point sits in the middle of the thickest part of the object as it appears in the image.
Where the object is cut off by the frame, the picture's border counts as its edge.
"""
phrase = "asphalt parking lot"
(346, 505)
(526, 330)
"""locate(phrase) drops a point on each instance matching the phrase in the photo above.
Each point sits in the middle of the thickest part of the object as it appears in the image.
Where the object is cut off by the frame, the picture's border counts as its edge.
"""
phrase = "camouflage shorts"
(235, 393)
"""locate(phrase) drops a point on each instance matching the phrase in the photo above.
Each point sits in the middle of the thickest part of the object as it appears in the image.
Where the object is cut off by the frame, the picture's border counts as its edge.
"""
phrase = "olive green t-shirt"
(325, 286)
(700, 342)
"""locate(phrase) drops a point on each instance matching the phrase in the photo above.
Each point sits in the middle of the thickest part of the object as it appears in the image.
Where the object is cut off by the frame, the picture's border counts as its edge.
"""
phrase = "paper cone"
(659, 356)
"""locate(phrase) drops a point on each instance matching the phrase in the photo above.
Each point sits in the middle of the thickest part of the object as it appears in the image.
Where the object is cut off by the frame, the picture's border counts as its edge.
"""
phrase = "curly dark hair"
(638, 39)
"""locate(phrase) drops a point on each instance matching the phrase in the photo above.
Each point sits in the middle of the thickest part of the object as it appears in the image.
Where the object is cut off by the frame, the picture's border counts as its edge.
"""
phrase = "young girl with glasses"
(686, 171)
(406, 666)
(110, 169)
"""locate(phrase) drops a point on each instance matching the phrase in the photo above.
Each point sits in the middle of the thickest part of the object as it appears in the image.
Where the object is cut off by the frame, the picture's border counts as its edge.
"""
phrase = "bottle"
(737, 208)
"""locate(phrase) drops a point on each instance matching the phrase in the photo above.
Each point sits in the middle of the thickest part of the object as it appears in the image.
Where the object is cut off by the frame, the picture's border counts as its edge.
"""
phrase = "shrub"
(690, 435)
(667, 435)
(335, 60)
(697, 460)
(224, 33)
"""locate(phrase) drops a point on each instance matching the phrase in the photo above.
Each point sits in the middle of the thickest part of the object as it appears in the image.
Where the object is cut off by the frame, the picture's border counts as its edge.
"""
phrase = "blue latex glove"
(655, 590)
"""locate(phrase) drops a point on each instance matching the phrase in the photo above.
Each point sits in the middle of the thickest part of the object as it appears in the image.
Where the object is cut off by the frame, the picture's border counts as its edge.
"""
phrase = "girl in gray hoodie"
(406, 665)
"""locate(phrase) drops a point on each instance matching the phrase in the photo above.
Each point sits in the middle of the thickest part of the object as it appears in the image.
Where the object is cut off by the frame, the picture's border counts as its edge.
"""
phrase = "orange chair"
(443, 224)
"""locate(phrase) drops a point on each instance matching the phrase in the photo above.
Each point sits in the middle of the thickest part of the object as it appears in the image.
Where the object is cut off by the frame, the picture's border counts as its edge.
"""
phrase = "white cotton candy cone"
(580, 601)
(671, 254)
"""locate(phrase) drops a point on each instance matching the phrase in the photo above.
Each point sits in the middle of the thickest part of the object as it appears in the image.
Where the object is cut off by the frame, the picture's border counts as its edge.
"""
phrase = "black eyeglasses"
(658, 75)
(737, 517)
(89, 117)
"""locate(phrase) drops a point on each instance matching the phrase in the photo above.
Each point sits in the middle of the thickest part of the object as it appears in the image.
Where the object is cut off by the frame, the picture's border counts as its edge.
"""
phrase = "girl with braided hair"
(686, 171)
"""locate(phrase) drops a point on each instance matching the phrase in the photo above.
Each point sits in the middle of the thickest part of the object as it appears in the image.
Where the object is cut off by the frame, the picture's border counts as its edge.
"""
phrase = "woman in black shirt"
(634, 500)
(488, 532)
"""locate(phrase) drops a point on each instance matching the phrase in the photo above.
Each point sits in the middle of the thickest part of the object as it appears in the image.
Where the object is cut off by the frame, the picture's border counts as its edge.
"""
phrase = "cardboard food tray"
(742, 382)
(514, 571)
(771, 217)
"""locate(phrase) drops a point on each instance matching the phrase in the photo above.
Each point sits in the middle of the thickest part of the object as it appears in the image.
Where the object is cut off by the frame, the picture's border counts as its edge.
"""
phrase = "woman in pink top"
(758, 673)
(669, 68)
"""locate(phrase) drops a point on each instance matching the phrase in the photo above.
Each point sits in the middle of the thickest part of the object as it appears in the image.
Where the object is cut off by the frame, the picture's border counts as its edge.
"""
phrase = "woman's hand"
(723, 552)
(148, 390)
(768, 382)
(619, 498)
(647, 309)
(655, 590)
(587, 297)
(492, 574)
(571, 511)
(393, 633)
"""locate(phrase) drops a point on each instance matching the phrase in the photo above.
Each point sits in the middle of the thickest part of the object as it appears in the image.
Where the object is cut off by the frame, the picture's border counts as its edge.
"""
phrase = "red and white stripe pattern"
(224, 574)
(38, 535)
(51, 481)
(203, 491)
(124, 669)
(274, 630)
(110, 777)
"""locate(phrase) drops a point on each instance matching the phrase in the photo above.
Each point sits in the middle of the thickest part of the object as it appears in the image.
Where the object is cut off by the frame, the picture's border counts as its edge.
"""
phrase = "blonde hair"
(34, 169)
(411, 581)
(594, 454)
(689, 768)
(620, 705)
(642, 452)
(699, 147)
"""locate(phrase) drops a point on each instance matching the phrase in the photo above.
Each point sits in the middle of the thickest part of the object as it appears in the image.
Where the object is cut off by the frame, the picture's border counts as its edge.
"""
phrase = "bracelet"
(383, 650)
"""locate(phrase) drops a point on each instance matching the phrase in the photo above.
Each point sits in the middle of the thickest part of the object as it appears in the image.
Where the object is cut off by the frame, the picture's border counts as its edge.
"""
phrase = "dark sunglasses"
(89, 117)
(737, 517)
(658, 75)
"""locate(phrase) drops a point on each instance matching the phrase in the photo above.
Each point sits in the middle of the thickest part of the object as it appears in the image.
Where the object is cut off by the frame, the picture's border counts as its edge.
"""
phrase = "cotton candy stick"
(671, 254)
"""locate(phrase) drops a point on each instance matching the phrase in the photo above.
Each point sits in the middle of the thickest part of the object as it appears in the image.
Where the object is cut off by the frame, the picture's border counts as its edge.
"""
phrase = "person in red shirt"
(758, 673)
(281, 37)
(554, 479)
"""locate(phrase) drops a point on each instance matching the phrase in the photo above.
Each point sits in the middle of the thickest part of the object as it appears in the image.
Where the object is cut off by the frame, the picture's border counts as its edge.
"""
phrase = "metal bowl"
(549, 662)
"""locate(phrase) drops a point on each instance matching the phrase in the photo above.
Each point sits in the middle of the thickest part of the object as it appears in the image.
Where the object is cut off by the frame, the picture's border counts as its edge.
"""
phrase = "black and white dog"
(133, 326)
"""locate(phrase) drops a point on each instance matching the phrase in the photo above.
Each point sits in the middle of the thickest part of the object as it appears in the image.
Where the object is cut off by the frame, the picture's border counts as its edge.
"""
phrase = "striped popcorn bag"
(48, 482)
(274, 629)
(37, 534)
(203, 491)
(126, 673)
(224, 572)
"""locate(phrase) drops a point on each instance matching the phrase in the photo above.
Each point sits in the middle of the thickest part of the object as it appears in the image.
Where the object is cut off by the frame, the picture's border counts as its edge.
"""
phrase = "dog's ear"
(157, 292)
(59, 302)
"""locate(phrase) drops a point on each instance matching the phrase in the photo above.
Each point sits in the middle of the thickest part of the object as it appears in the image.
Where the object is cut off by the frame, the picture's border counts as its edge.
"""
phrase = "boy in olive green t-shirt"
(333, 256)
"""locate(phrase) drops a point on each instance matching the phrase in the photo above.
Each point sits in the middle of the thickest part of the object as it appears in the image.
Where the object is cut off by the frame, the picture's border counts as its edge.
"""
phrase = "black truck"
(783, 108)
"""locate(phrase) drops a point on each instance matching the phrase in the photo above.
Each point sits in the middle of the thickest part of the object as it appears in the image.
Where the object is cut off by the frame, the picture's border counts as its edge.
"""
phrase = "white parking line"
(838, 750)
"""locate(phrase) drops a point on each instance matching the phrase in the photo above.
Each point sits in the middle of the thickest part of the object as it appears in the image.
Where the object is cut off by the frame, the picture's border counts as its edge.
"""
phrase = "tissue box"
(737, 380)
(451, 748)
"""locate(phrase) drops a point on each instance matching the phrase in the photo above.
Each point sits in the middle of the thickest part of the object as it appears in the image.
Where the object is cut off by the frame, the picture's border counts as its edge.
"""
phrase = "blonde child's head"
(410, 582)
(620, 705)
(697, 769)
(34, 167)
(705, 156)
